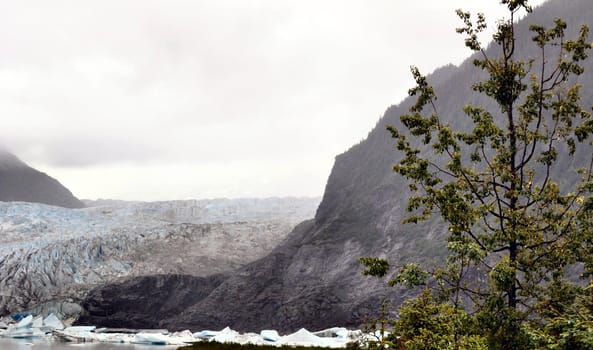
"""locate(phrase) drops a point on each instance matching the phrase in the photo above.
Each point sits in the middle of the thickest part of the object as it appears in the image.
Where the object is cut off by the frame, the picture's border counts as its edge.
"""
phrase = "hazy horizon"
(155, 100)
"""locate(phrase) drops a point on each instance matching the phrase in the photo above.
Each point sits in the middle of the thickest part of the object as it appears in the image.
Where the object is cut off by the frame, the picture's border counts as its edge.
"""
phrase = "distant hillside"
(21, 183)
(313, 279)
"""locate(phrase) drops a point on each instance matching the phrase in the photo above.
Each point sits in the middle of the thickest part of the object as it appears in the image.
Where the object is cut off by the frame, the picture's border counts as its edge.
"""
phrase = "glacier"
(50, 257)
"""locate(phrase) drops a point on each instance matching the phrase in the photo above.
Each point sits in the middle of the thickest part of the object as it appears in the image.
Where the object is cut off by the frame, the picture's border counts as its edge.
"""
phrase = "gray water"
(45, 344)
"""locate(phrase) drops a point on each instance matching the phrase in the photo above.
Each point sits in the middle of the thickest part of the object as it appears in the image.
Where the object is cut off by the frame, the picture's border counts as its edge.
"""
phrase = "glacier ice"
(37, 322)
(205, 334)
(52, 256)
(52, 322)
(51, 328)
(26, 322)
(226, 335)
(303, 337)
(150, 339)
(270, 335)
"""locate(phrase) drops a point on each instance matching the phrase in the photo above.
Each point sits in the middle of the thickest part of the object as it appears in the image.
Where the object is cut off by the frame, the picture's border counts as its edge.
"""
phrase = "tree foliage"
(517, 233)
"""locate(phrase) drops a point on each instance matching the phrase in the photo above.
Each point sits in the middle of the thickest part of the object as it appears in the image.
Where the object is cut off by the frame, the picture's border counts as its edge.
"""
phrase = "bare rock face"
(19, 182)
(313, 279)
(136, 301)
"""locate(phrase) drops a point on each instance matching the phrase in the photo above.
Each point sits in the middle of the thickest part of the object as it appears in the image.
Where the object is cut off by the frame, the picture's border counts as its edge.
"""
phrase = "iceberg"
(26, 322)
(78, 334)
(251, 338)
(342, 333)
(36, 326)
(182, 338)
(150, 339)
(52, 322)
(226, 335)
(17, 317)
(24, 333)
(113, 338)
(379, 334)
(75, 336)
(335, 332)
(270, 335)
(206, 334)
(23, 329)
(78, 329)
(302, 337)
(37, 322)
(305, 338)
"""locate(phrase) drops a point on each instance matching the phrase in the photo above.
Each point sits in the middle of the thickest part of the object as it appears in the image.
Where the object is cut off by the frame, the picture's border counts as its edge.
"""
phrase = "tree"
(517, 233)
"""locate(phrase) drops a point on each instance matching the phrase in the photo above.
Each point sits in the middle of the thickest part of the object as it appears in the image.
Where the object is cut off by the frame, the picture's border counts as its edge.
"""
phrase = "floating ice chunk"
(302, 337)
(77, 336)
(227, 335)
(379, 335)
(37, 322)
(77, 333)
(17, 317)
(113, 337)
(335, 332)
(251, 338)
(206, 334)
(305, 338)
(23, 330)
(355, 334)
(52, 322)
(151, 339)
(22, 333)
(3, 325)
(185, 333)
(270, 335)
(182, 338)
(75, 329)
(343, 333)
(26, 322)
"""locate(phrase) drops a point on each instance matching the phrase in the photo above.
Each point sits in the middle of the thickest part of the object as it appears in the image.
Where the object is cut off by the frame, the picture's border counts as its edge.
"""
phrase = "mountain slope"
(21, 183)
(313, 279)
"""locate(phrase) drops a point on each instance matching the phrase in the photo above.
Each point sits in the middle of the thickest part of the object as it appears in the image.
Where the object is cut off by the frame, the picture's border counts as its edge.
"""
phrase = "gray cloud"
(120, 87)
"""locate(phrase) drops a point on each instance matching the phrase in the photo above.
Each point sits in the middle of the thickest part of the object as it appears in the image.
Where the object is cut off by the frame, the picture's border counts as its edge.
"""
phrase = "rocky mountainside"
(20, 182)
(50, 257)
(313, 279)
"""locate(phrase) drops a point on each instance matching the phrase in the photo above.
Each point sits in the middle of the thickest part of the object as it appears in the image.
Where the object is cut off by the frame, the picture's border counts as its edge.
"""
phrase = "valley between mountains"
(250, 264)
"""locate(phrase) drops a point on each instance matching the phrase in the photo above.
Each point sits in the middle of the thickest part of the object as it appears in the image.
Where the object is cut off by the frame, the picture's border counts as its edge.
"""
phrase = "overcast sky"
(154, 100)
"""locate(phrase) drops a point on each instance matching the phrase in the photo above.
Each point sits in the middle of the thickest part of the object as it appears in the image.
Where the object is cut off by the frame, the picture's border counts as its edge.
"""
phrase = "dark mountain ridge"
(21, 183)
(313, 278)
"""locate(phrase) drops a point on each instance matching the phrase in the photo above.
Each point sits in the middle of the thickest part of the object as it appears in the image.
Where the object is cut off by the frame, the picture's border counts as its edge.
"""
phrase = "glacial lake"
(46, 344)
